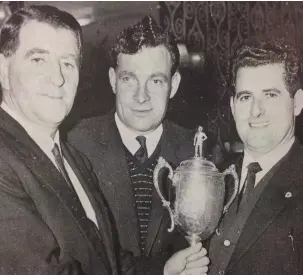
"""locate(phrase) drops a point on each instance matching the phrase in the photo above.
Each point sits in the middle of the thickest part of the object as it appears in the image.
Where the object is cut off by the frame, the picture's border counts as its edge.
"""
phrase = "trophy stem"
(193, 239)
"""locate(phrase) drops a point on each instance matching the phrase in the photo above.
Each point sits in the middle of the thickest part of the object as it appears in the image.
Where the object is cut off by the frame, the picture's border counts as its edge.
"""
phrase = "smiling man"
(124, 147)
(263, 231)
(52, 220)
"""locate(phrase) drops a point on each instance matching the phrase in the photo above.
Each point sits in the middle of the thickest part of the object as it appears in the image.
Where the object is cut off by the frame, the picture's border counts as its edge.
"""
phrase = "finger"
(198, 263)
(202, 253)
(191, 250)
(195, 271)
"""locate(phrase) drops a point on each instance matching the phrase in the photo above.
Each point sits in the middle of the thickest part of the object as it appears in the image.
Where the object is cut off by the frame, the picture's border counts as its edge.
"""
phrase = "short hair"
(10, 31)
(257, 53)
(145, 33)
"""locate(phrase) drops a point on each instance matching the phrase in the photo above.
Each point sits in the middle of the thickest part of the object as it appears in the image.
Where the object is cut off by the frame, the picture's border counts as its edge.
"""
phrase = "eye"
(271, 95)
(37, 60)
(158, 81)
(68, 65)
(126, 79)
(244, 98)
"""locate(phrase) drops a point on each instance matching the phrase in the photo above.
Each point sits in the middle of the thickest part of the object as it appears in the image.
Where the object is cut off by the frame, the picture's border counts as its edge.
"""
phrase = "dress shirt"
(129, 137)
(266, 161)
(46, 144)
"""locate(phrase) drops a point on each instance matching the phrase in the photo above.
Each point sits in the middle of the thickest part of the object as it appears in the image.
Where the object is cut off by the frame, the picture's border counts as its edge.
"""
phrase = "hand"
(189, 261)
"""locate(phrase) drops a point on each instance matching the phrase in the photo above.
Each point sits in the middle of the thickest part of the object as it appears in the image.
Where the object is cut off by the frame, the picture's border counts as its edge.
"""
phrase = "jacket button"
(221, 272)
(227, 243)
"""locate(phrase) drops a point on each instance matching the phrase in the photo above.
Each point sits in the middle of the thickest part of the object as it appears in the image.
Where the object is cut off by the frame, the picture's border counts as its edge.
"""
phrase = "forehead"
(147, 61)
(36, 34)
(262, 77)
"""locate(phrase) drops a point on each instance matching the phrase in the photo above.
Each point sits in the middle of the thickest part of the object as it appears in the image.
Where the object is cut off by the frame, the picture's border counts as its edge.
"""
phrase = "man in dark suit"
(124, 147)
(52, 220)
(262, 233)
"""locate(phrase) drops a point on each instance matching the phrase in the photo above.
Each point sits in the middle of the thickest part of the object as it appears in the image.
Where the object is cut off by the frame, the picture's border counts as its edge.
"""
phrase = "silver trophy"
(200, 193)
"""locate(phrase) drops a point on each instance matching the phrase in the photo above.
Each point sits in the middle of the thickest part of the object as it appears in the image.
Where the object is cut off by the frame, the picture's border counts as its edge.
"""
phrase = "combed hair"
(145, 33)
(256, 53)
(9, 36)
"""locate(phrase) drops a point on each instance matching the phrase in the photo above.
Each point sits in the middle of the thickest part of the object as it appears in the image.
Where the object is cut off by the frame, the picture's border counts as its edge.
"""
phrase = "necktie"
(252, 169)
(141, 155)
(60, 164)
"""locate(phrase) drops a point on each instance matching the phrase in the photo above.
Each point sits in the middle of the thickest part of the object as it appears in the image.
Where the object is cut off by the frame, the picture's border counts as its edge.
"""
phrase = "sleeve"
(27, 245)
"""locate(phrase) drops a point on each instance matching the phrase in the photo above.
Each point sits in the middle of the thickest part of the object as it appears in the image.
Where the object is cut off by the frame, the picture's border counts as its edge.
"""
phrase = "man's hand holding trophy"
(199, 203)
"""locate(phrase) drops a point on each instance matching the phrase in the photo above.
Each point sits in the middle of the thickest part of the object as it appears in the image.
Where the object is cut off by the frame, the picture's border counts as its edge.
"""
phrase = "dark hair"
(257, 53)
(9, 36)
(145, 33)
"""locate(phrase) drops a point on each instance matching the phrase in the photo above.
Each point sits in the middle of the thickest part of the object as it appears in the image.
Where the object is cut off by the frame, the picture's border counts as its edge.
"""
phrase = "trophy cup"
(200, 193)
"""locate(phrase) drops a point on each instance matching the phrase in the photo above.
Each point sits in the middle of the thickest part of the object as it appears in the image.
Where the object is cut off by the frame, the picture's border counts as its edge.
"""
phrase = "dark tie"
(252, 169)
(60, 164)
(141, 155)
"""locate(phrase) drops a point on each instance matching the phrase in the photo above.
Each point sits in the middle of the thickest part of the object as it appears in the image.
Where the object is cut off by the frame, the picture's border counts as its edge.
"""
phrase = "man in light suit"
(262, 233)
(53, 219)
(124, 145)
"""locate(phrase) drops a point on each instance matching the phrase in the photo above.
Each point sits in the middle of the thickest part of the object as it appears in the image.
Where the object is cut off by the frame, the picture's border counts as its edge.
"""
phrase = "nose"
(141, 95)
(57, 77)
(257, 108)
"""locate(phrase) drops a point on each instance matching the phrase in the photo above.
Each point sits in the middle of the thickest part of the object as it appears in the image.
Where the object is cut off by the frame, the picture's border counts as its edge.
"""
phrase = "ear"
(4, 69)
(175, 84)
(298, 102)
(232, 105)
(112, 78)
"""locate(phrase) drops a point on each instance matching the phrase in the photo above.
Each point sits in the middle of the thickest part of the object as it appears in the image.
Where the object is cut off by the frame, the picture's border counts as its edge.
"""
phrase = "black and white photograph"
(151, 138)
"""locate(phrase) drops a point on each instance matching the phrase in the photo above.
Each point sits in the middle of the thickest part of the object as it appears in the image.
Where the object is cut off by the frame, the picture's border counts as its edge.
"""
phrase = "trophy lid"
(198, 162)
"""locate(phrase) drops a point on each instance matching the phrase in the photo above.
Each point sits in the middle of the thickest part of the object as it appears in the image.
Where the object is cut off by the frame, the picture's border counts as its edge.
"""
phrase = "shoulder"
(91, 130)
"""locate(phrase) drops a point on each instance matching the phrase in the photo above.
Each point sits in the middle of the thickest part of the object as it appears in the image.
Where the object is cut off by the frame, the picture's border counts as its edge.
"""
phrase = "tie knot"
(253, 168)
(141, 140)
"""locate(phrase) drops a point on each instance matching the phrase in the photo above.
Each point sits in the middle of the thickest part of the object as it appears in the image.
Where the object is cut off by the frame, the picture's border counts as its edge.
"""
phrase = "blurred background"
(208, 34)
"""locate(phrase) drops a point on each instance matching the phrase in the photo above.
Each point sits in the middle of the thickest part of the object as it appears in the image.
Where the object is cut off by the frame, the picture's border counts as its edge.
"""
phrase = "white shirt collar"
(45, 142)
(266, 161)
(129, 137)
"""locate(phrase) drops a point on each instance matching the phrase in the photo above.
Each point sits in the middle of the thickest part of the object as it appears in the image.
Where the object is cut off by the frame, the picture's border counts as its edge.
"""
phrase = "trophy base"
(193, 239)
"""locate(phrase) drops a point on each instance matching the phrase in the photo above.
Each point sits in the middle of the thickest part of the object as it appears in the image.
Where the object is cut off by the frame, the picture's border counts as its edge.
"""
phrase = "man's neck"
(26, 124)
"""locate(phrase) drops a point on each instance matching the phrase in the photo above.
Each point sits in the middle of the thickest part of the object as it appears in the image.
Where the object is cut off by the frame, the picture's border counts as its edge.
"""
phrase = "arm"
(27, 243)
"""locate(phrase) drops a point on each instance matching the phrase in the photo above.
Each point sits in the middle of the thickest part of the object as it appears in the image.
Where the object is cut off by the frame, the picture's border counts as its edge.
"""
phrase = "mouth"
(258, 124)
(52, 97)
(142, 112)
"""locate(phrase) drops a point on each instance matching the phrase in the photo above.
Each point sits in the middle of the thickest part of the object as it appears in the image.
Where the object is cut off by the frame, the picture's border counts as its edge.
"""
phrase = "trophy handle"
(231, 171)
(161, 164)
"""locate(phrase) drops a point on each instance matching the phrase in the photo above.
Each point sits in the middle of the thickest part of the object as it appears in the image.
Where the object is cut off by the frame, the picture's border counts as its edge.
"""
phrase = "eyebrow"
(159, 75)
(34, 51)
(122, 73)
(271, 90)
(245, 92)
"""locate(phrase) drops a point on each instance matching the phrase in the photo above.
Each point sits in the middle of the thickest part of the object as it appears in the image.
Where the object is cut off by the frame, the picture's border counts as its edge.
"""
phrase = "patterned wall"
(217, 29)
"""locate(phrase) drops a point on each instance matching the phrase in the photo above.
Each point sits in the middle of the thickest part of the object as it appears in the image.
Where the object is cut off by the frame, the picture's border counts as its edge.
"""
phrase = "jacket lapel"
(91, 191)
(45, 171)
(116, 185)
(168, 143)
(271, 202)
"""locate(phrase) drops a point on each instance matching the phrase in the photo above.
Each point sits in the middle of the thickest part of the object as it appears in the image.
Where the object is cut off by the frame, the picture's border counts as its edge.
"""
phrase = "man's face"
(40, 80)
(143, 85)
(263, 109)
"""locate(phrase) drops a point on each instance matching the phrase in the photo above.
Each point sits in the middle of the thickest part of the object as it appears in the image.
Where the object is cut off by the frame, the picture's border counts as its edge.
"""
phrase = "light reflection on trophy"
(200, 193)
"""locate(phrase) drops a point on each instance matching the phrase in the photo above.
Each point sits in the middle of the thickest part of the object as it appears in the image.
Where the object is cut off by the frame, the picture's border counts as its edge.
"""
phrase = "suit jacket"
(271, 241)
(100, 140)
(44, 228)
